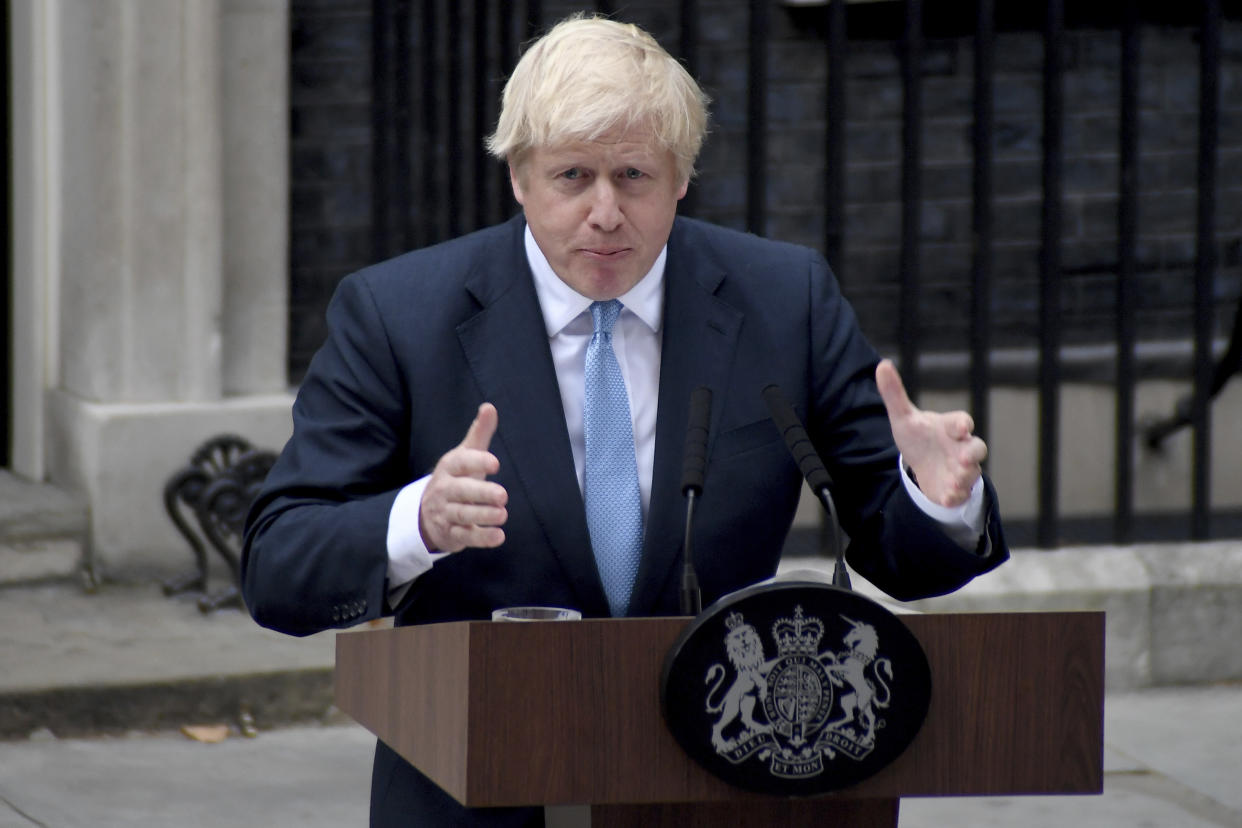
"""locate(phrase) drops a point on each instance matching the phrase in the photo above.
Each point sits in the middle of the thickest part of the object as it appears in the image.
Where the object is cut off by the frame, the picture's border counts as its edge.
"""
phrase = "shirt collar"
(561, 304)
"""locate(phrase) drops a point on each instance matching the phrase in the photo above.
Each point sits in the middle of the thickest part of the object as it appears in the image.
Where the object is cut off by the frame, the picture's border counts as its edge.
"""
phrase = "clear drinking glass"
(536, 614)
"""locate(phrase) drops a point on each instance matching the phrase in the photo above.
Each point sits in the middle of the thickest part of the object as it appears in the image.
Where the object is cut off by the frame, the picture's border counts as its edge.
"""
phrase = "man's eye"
(632, 173)
(572, 173)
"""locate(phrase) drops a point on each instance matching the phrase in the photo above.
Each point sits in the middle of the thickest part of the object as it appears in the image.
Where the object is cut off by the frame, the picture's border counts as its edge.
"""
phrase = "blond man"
(446, 456)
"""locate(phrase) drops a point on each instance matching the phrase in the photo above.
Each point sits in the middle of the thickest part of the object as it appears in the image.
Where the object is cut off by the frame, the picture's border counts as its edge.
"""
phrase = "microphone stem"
(691, 597)
(840, 575)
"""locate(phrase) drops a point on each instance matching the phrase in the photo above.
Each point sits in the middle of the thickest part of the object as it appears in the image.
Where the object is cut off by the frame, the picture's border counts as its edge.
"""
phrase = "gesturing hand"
(460, 507)
(940, 448)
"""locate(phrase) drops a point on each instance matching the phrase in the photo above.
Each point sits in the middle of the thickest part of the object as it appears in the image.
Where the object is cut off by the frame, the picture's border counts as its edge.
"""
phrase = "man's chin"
(600, 287)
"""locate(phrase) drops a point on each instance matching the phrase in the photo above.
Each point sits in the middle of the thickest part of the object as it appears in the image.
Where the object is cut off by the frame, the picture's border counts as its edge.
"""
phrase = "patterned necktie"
(613, 508)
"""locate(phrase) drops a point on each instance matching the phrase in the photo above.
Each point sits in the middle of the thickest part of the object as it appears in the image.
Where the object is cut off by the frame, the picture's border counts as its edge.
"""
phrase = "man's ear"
(681, 192)
(515, 181)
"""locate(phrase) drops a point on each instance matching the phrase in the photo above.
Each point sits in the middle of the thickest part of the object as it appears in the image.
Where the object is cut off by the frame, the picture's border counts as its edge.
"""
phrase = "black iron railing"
(438, 67)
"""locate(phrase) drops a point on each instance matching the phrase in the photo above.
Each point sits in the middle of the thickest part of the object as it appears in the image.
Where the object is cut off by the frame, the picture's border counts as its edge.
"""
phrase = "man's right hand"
(460, 506)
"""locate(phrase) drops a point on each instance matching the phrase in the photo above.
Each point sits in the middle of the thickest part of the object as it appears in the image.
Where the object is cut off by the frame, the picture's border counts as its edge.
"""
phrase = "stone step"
(43, 531)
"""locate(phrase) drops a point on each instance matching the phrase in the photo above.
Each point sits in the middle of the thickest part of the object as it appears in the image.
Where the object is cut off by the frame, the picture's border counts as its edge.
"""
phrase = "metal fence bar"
(402, 129)
(688, 46)
(391, 229)
(481, 101)
(835, 114)
(834, 141)
(452, 117)
(534, 18)
(1127, 240)
(382, 104)
(757, 119)
(428, 132)
(1050, 274)
(911, 193)
(981, 214)
(508, 59)
(1205, 267)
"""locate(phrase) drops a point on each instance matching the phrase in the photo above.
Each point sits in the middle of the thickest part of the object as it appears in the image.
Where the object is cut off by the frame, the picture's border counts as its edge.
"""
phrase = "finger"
(469, 514)
(471, 490)
(892, 390)
(976, 451)
(477, 537)
(959, 425)
(468, 463)
(481, 431)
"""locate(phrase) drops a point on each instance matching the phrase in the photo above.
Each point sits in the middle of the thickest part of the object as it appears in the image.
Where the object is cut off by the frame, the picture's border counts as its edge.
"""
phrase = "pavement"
(100, 694)
(120, 706)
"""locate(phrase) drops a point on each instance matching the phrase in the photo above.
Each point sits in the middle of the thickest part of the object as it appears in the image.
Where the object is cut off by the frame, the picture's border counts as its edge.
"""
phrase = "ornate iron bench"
(207, 501)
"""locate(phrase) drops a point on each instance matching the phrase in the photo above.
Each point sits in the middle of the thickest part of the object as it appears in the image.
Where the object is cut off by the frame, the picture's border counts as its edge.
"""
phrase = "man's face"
(600, 211)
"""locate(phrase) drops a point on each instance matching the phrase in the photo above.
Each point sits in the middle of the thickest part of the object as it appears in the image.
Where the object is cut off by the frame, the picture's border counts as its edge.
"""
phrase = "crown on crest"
(798, 635)
(733, 620)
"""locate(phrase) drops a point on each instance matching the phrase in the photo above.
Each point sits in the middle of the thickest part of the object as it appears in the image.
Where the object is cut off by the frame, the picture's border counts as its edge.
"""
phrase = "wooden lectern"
(568, 713)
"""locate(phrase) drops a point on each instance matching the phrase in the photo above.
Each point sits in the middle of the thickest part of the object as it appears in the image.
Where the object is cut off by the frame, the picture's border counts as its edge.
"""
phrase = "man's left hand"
(940, 449)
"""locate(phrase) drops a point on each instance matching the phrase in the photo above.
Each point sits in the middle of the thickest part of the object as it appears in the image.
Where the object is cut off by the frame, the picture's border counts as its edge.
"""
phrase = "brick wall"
(331, 140)
(330, 152)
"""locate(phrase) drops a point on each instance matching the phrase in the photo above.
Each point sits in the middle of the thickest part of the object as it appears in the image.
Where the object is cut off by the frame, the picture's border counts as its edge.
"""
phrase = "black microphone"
(694, 465)
(817, 477)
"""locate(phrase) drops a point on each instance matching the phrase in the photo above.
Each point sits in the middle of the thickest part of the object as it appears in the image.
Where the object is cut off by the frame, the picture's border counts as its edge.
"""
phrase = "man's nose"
(605, 208)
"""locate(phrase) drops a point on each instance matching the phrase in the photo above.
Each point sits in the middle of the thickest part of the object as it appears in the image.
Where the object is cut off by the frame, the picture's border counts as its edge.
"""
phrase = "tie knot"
(604, 315)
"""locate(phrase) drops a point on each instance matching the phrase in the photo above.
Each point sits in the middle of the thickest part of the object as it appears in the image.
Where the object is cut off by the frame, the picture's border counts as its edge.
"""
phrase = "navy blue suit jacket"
(415, 344)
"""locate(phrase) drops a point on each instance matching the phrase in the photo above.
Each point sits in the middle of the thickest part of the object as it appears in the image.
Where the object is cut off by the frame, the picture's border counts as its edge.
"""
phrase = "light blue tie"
(613, 509)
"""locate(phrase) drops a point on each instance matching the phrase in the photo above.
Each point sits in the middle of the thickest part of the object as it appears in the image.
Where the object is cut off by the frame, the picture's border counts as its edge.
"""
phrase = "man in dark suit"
(511, 337)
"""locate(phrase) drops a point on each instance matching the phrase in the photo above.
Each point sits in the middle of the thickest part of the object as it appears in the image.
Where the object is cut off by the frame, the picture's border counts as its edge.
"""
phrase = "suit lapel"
(700, 335)
(507, 349)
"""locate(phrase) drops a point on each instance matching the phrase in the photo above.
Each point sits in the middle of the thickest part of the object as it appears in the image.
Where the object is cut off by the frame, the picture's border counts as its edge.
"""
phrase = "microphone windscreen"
(694, 465)
(796, 439)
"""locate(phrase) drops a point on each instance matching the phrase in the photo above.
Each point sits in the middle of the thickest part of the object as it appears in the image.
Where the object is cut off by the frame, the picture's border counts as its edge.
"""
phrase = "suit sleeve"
(893, 543)
(315, 553)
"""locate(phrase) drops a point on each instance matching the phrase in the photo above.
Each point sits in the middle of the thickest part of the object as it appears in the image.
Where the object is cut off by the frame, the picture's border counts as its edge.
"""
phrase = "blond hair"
(589, 76)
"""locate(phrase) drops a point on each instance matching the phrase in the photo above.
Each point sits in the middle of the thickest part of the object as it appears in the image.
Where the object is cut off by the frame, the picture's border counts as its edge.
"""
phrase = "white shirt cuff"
(408, 556)
(964, 524)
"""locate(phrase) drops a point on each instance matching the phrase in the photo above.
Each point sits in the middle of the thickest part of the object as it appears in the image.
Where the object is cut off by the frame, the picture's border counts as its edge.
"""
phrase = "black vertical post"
(834, 139)
(381, 119)
(390, 128)
(981, 218)
(911, 193)
(508, 58)
(834, 179)
(534, 18)
(688, 35)
(756, 119)
(482, 163)
(1205, 268)
(430, 207)
(451, 114)
(403, 128)
(688, 45)
(1127, 238)
(1050, 274)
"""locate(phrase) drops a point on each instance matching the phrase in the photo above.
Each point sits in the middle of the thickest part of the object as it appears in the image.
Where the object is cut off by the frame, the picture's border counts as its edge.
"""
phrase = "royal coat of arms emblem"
(805, 688)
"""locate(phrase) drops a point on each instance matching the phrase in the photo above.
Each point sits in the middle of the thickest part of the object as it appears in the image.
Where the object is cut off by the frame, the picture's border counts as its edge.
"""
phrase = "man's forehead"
(629, 143)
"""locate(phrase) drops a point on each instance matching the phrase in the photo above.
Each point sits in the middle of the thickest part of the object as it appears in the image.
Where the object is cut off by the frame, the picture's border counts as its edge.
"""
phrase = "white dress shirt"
(636, 341)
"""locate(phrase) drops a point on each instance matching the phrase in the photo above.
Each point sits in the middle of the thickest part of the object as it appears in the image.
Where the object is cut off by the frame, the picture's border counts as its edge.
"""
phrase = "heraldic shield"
(795, 688)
